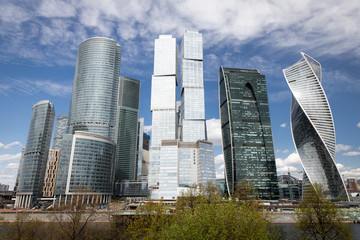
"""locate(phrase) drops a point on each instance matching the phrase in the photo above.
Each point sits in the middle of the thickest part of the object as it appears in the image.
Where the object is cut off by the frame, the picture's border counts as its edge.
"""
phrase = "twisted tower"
(312, 126)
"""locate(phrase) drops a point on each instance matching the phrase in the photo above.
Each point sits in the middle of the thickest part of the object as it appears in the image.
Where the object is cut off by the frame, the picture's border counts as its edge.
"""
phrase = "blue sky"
(39, 40)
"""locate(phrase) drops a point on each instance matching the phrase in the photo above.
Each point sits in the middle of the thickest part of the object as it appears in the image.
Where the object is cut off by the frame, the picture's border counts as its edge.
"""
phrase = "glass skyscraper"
(163, 104)
(246, 131)
(177, 157)
(35, 156)
(312, 126)
(192, 88)
(95, 89)
(87, 158)
(126, 129)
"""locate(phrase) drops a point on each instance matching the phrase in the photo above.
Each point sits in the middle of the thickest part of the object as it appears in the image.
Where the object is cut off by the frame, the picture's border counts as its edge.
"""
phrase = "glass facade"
(86, 165)
(163, 104)
(313, 127)
(192, 88)
(51, 172)
(95, 88)
(206, 164)
(168, 176)
(60, 130)
(246, 131)
(33, 167)
(126, 129)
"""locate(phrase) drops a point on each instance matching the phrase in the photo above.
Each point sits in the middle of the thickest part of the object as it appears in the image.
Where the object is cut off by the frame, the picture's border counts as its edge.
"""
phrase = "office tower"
(51, 172)
(180, 156)
(19, 170)
(246, 131)
(95, 89)
(192, 88)
(142, 155)
(87, 155)
(126, 129)
(312, 126)
(60, 130)
(163, 104)
(33, 167)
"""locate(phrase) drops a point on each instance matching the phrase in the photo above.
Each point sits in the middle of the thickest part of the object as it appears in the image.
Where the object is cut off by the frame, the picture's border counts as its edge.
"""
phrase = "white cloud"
(358, 125)
(352, 153)
(291, 162)
(283, 125)
(219, 159)
(214, 131)
(352, 173)
(32, 87)
(222, 167)
(342, 147)
(220, 175)
(12, 165)
(340, 166)
(10, 157)
(147, 129)
(10, 145)
(66, 23)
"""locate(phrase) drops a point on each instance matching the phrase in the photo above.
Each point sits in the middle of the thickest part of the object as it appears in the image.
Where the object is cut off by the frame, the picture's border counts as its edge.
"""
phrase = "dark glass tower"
(246, 131)
(126, 129)
(33, 167)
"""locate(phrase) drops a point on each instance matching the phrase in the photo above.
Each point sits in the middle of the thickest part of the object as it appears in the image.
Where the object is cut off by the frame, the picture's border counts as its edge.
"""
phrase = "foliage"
(244, 191)
(319, 218)
(201, 214)
(148, 222)
(24, 227)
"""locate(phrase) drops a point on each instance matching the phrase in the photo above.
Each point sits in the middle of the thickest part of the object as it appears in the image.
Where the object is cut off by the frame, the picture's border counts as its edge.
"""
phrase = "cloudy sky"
(39, 40)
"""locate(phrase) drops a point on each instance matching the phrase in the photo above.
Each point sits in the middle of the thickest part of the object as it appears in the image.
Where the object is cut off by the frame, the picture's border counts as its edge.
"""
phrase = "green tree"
(319, 218)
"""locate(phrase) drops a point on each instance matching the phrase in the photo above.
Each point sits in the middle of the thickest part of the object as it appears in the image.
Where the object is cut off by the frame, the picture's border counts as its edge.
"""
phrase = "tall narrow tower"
(126, 129)
(312, 126)
(33, 167)
(163, 103)
(192, 88)
(246, 131)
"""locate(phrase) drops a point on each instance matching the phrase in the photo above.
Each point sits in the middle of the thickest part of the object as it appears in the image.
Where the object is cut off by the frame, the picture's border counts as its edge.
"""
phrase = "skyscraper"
(312, 126)
(88, 152)
(126, 129)
(246, 131)
(192, 88)
(33, 167)
(60, 130)
(95, 89)
(163, 104)
(179, 155)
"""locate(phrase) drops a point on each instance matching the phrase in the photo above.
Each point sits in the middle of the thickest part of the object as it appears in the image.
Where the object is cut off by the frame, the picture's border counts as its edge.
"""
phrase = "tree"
(73, 220)
(24, 227)
(319, 218)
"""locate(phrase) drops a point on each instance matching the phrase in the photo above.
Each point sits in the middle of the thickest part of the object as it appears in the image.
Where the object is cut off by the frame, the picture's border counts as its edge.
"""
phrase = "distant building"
(126, 129)
(51, 173)
(290, 187)
(312, 127)
(87, 158)
(60, 130)
(246, 131)
(352, 186)
(142, 155)
(33, 167)
(4, 187)
(19, 170)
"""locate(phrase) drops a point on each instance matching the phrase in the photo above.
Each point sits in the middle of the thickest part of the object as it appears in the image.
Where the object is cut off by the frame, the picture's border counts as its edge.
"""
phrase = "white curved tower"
(312, 126)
